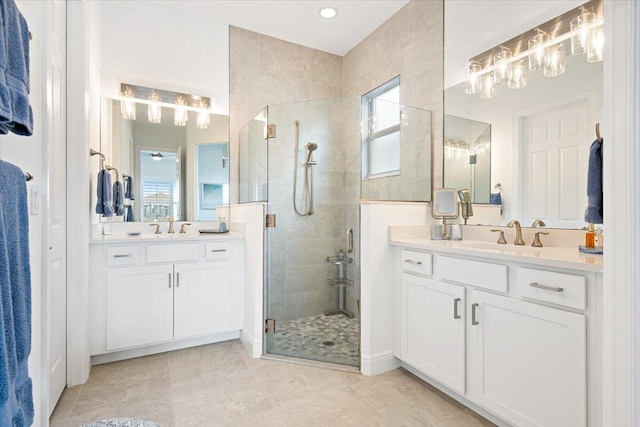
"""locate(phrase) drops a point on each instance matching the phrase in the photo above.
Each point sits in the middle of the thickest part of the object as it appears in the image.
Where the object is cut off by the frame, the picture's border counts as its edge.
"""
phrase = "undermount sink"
(497, 247)
(155, 236)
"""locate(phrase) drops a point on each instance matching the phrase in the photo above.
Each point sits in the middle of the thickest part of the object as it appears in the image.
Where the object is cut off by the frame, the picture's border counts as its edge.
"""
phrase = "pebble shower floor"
(334, 339)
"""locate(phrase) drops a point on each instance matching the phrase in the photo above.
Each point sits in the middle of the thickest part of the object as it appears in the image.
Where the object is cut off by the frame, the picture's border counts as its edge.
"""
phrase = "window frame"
(369, 136)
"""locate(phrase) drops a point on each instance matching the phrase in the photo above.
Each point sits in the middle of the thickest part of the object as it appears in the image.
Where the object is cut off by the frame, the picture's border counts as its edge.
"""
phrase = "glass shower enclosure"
(305, 160)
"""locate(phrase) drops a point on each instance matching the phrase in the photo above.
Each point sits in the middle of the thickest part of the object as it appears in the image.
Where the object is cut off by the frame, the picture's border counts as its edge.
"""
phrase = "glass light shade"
(501, 65)
(517, 78)
(580, 30)
(554, 65)
(488, 89)
(180, 114)
(595, 44)
(128, 106)
(154, 112)
(537, 57)
(472, 82)
(203, 119)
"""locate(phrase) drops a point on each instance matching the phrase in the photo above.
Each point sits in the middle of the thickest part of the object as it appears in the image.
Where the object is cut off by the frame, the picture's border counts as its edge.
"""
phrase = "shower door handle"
(350, 240)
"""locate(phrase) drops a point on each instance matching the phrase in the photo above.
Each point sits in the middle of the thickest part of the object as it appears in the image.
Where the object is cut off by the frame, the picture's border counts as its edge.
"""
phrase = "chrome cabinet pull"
(455, 308)
(218, 250)
(350, 239)
(545, 287)
(473, 314)
(410, 261)
(170, 280)
(123, 255)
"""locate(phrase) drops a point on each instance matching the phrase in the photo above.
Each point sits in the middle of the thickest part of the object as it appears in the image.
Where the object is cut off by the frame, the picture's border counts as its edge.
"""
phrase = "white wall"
(378, 281)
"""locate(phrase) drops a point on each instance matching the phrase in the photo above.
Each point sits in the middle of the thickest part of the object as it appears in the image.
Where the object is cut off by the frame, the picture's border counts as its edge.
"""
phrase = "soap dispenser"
(590, 237)
(222, 228)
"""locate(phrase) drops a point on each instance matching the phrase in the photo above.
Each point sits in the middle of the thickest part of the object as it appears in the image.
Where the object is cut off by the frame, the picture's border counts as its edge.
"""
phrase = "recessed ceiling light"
(328, 12)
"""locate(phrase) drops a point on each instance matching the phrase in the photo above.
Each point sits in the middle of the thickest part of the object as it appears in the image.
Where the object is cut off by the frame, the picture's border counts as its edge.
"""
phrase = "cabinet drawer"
(173, 253)
(416, 262)
(475, 273)
(217, 250)
(122, 255)
(558, 288)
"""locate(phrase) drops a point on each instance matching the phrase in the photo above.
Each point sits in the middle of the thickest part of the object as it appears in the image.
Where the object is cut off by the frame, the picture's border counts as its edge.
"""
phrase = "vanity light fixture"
(328, 12)
(543, 48)
(155, 99)
(128, 105)
(180, 114)
(154, 112)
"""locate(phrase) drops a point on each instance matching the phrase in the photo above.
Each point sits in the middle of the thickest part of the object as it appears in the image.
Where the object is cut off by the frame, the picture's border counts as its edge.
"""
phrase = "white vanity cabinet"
(164, 295)
(510, 338)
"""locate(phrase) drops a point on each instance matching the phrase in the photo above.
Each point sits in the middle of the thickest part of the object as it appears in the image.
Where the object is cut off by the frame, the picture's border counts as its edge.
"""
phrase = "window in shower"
(381, 131)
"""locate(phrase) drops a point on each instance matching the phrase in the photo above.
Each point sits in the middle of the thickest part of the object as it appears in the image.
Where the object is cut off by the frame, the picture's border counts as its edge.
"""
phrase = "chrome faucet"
(170, 225)
(538, 223)
(519, 241)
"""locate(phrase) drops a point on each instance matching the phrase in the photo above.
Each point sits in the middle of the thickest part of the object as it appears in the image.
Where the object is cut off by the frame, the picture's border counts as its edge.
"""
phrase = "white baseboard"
(162, 348)
(256, 345)
(378, 363)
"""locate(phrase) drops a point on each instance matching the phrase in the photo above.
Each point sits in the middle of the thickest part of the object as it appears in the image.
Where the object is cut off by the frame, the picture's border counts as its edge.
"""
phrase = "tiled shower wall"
(299, 245)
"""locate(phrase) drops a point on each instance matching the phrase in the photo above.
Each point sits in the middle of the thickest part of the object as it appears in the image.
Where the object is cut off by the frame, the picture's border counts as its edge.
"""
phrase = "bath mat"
(122, 422)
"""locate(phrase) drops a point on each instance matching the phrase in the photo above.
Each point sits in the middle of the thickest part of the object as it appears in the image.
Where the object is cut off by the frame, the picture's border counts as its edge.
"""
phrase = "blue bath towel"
(593, 213)
(496, 198)
(104, 204)
(118, 199)
(129, 216)
(128, 188)
(16, 397)
(15, 112)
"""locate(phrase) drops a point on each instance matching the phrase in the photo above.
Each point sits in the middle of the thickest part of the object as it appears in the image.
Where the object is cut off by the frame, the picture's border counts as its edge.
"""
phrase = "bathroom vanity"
(512, 330)
(154, 293)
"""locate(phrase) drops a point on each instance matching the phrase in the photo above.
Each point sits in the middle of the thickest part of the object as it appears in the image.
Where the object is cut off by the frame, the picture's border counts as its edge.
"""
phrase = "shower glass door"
(313, 285)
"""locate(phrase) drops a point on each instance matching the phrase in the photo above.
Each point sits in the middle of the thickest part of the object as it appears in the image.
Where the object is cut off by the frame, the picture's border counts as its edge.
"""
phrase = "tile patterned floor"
(334, 339)
(221, 385)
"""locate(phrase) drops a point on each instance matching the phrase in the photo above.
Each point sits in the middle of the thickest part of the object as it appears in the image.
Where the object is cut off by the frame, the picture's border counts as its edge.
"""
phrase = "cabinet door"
(433, 329)
(139, 306)
(527, 362)
(202, 298)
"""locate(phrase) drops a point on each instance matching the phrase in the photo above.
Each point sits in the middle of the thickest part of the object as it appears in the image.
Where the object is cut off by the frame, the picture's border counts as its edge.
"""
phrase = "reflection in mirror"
(467, 156)
(179, 171)
(540, 139)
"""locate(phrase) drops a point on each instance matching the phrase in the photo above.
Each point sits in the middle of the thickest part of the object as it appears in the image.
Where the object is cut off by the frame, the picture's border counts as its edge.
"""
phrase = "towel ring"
(499, 187)
(27, 176)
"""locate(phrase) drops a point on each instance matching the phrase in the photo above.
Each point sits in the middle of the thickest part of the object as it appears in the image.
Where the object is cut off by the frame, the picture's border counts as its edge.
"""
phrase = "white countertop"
(162, 238)
(561, 257)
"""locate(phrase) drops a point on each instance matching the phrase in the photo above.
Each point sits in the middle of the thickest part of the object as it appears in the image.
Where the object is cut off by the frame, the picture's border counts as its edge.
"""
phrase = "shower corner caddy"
(341, 282)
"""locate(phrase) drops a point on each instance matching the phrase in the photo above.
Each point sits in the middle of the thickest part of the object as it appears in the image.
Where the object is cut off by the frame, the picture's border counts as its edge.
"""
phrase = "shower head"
(311, 147)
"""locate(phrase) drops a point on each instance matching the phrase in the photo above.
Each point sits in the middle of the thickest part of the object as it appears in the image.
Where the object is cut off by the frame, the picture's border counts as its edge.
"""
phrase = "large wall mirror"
(179, 171)
(538, 135)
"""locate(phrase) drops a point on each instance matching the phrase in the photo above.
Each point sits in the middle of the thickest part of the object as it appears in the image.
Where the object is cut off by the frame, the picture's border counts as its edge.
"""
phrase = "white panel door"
(139, 306)
(57, 200)
(202, 298)
(556, 151)
(433, 329)
(527, 362)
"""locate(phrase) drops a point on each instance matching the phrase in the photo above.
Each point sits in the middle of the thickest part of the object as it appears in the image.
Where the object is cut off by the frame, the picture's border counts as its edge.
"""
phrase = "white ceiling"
(184, 45)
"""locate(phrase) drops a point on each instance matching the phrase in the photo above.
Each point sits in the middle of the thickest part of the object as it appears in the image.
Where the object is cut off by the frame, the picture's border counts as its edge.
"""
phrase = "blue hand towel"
(104, 204)
(128, 188)
(118, 199)
(496, 198)
(16, 397)
(129, 216)
(15, 112)
(593, 213)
